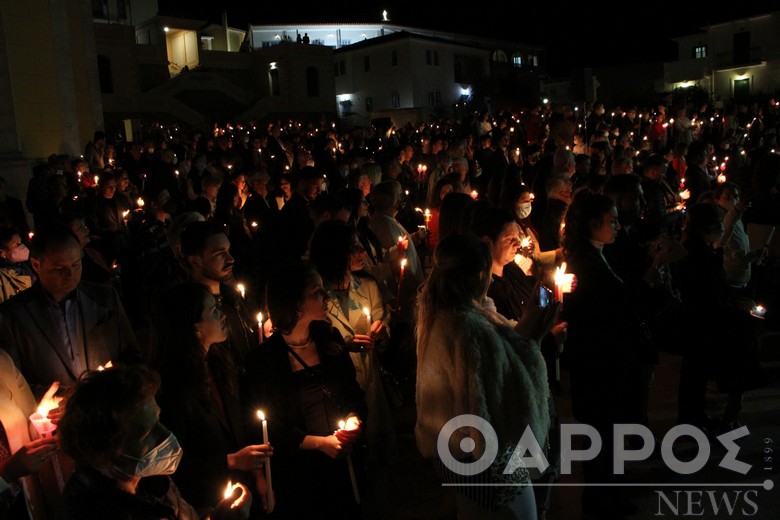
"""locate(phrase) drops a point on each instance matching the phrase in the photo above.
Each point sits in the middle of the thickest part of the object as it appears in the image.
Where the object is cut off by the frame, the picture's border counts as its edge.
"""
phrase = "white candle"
(269, 488)
(260, 326)
(355, 490)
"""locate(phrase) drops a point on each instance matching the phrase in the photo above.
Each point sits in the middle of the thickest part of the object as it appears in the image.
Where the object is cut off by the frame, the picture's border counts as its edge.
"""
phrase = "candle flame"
(260, 415)
(525, 242)
(107, 365)
(49, 401)
(342, 424)
(240, 288)
(140, 202)
(403, 263)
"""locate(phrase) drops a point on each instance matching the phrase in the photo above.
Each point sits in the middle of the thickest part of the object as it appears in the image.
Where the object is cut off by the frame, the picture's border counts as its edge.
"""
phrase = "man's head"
(55, 256)
(559, 187)
(206, 250)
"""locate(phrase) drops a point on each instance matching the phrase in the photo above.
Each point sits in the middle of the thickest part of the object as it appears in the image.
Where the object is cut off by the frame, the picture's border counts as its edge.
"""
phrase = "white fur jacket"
(475, 363)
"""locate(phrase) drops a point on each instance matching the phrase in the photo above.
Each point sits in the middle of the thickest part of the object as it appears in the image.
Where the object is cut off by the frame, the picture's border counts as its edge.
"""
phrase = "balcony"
(730, 59)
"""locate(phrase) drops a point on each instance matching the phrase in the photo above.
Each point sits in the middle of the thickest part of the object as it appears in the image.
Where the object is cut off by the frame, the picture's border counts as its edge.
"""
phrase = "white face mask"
(163, 459)
(523, 210)
(19, 254)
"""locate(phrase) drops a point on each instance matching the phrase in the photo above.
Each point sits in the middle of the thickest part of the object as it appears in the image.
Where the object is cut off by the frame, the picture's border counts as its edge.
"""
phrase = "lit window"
(700, 52)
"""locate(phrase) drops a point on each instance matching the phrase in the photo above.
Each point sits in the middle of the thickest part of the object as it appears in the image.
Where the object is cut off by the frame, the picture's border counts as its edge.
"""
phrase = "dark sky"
(584, 34)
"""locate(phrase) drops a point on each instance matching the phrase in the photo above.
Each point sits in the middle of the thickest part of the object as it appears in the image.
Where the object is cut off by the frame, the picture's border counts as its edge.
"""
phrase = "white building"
(734, 59)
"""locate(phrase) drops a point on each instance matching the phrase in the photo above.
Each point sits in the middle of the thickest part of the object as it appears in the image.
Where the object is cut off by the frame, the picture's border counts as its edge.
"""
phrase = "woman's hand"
(29, 458)
(376, 329)
(330, 446)
(360, 342)
(559, 332)
(249, 457)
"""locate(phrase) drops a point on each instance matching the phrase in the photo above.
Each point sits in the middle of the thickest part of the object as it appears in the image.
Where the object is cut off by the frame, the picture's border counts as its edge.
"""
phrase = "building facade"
(732, 60)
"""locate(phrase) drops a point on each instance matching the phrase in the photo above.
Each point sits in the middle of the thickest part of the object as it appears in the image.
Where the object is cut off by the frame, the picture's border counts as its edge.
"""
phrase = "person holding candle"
(471, 360)
(517, 199)
(303, 380)
(125, 455)
(357, 311)
(21, 456)
(604, 345)
(207, 253)
(63, 326)
(513, 293)
(199, 395)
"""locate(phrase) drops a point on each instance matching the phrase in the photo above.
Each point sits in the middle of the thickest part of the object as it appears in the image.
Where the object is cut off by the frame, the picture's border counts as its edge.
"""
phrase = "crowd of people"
(242, 304)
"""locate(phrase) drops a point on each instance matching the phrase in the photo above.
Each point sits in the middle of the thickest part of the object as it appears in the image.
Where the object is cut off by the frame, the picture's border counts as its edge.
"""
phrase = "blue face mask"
(163, 459)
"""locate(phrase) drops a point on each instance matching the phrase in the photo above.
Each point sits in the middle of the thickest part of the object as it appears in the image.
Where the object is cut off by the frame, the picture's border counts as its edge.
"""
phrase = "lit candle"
(241, 289)
(400, 284)
(260, 326)
(45, 427)
(474, 194)
(563, 281)
(721, 178)
(269, 486)
(367, 312)
(427, 217)
(140, 202)
(125, 215)
(351, 467)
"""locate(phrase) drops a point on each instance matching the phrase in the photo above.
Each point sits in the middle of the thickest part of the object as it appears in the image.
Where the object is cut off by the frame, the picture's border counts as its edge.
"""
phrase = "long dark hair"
(178, 354)
(330, 250)
(584, 214)
(285, 290)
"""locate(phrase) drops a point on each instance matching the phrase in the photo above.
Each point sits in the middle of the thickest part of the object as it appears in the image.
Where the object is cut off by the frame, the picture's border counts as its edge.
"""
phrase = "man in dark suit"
(63, 326)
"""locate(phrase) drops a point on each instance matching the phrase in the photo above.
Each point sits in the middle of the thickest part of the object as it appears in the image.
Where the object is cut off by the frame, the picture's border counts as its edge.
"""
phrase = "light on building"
(465, 91)
(545, 101)
(166, 28)
(273, 65)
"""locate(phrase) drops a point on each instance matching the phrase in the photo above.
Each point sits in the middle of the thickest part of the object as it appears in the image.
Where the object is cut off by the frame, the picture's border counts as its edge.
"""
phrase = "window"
(533, 60)
(394, 58)
(369, 104)
(395, 98)
(367, 63)
(498, 57)
(517, 60)
(436, 58)
(742, 47)
(312, 82)
(273, 76)
(121, 9)
(700, 52)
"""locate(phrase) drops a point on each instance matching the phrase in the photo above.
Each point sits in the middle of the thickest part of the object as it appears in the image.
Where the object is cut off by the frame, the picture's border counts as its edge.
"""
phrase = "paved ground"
(414, 492)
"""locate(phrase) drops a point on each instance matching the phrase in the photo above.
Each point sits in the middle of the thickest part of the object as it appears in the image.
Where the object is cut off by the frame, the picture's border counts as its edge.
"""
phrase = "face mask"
(523, 210)
(162, 460)
(19, 254)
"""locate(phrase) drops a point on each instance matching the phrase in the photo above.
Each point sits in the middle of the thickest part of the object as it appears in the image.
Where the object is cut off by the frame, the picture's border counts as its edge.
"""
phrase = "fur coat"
(474, 363)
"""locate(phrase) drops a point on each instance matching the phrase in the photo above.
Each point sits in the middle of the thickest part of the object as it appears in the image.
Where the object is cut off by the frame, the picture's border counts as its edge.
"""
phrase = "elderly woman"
(124, 455)
(472, 362)
(303, 380)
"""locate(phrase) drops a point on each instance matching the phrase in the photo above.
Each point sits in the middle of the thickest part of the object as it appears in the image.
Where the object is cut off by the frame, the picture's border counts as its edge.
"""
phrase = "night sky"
(586, 34)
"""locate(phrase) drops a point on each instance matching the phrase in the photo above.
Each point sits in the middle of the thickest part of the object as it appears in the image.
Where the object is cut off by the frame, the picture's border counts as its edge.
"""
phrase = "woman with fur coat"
(473, 365)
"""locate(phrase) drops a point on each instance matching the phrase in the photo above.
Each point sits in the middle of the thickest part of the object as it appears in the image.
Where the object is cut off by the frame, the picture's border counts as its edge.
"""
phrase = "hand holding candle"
(40, 420)
(269, 486)
(347, 433)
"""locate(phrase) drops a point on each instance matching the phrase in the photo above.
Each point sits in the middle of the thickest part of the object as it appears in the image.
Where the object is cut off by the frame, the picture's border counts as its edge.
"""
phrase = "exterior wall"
(52, 82)
(760, 63)
(412, 78)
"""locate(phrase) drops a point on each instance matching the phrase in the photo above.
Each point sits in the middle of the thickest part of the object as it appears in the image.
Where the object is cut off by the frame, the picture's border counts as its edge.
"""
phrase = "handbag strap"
(315, 376)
